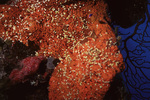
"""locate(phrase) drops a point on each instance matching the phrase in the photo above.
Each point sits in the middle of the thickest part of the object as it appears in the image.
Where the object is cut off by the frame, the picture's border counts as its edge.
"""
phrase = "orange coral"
(86, 71)
(54, 28)
(77, 33)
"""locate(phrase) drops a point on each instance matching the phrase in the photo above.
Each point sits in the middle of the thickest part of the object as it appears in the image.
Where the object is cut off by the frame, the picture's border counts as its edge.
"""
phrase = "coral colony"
(74, 31)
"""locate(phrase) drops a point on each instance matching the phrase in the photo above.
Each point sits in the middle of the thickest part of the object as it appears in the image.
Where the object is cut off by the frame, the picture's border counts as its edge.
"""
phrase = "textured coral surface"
(54, 28)
(75, 32)
(87, 70)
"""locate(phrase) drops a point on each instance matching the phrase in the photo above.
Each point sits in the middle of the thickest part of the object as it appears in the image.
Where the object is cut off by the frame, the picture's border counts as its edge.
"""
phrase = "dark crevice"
(4, 1)
(126, 12)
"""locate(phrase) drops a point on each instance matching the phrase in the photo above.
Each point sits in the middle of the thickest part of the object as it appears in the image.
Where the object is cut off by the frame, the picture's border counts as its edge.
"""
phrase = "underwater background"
(131, 22)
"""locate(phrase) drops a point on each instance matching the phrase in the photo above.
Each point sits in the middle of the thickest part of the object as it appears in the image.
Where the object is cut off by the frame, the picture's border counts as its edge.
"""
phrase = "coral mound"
(87, 71)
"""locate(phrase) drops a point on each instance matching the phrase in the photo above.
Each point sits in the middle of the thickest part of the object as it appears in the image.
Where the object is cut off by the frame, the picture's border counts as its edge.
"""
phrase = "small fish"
(90, 15)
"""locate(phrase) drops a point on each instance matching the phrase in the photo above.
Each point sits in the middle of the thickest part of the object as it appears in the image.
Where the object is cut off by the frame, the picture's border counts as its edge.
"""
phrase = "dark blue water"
(135, 48)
